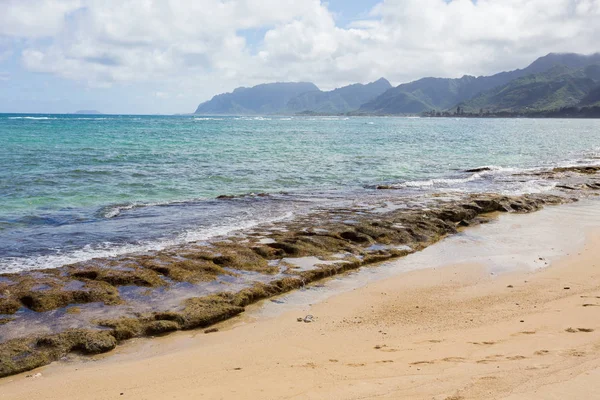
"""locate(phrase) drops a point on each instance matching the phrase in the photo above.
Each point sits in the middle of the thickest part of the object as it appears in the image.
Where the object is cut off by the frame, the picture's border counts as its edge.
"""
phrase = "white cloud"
(34, 18)
(197, 48)
(407, 39)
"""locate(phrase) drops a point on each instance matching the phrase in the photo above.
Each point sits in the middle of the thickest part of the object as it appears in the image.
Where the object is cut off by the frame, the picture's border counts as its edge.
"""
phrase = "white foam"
(494, 168)
(115, 210)
(530, 187)
(440, 182)
(108, 249)
(33, 118)
(252, 119)
(207, 119)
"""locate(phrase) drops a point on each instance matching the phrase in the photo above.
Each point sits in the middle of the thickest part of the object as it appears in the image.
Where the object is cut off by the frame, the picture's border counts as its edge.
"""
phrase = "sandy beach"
(461, 331)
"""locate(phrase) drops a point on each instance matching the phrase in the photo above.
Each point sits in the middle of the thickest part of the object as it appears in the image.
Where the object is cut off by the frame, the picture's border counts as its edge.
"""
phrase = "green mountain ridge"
(554, 81)
(428, 94)
(341, 100)
(292, 98)
(556, 88)
(592, 99)
(268, 98)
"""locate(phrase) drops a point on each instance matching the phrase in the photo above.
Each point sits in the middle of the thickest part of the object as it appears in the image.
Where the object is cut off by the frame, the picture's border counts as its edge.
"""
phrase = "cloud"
(34, 18)
(199, 48)
(406, 39)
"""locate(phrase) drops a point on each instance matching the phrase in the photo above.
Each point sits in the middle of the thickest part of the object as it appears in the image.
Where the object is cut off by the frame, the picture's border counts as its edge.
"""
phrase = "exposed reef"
(200, 284)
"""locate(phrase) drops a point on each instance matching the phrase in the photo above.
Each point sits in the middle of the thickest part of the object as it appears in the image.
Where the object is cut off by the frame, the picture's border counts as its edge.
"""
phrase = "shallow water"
(76, 187)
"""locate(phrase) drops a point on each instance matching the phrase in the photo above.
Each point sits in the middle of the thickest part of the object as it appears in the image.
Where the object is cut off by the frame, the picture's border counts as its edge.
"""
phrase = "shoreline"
(445, 333)
(283, 258)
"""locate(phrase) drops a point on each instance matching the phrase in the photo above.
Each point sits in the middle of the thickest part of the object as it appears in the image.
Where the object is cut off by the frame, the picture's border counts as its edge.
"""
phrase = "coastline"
(91, 307)
(444, 333)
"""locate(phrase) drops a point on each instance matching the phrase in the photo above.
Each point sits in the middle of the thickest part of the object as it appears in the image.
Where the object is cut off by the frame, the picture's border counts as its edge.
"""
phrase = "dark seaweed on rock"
(368, 237)
(589, 169)
(21, 355)
(47, 292)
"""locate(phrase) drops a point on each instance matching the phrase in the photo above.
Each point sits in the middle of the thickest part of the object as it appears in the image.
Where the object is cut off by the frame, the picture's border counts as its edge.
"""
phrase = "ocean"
(77, 187)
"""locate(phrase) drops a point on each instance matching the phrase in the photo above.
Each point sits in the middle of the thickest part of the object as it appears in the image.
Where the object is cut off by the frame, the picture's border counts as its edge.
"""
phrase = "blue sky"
(134, 56)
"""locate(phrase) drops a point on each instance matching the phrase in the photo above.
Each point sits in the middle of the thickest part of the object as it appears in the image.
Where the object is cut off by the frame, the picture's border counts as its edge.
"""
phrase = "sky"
(167, 56)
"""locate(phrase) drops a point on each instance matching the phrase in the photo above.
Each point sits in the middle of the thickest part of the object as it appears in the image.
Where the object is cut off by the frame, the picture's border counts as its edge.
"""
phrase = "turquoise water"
(73, 187)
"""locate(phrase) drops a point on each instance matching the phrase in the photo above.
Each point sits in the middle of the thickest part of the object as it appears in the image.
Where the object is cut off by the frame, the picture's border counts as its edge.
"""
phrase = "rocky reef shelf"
(90, 307)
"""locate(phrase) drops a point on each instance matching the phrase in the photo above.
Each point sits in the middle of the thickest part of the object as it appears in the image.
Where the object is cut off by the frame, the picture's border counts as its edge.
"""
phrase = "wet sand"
(488, 320)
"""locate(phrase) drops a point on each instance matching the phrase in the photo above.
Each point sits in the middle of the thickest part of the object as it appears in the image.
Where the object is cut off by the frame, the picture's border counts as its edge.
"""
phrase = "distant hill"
(551, 82)
(443, 93)
(341, 100)
(592, 99)
(88, 112)
(558, 87)
(269, 98)
(293, 98)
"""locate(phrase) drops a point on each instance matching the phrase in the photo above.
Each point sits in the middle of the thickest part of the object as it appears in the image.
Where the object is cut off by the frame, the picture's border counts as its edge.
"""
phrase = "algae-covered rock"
(260, 291)
(201, 312)
(191, 267)
(49, 293)
(128, 275)
(21, 355)
(85, 341)
(241, 258)
(160, 327)
(589, 169)
(123, 328)
(57, 297)
(9, 306)
(94, 342)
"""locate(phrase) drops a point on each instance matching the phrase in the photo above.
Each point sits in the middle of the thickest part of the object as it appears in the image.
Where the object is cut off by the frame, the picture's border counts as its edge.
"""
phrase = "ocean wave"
(533, 186)
(586, 162)
(114, 210)
(440, 182)
(242, 196)
(328, 119)
(490, 168)
(207, 119)
(33, 118)
(252, 119)
(108, 249)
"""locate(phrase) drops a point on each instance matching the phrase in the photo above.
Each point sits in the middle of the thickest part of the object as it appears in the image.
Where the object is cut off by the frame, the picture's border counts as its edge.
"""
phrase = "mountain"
(442, 93)
(88, 112)
(592, 99)
(558, 87)
(341, 100)
(553, 81)
(571, 60)
(269, 98)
